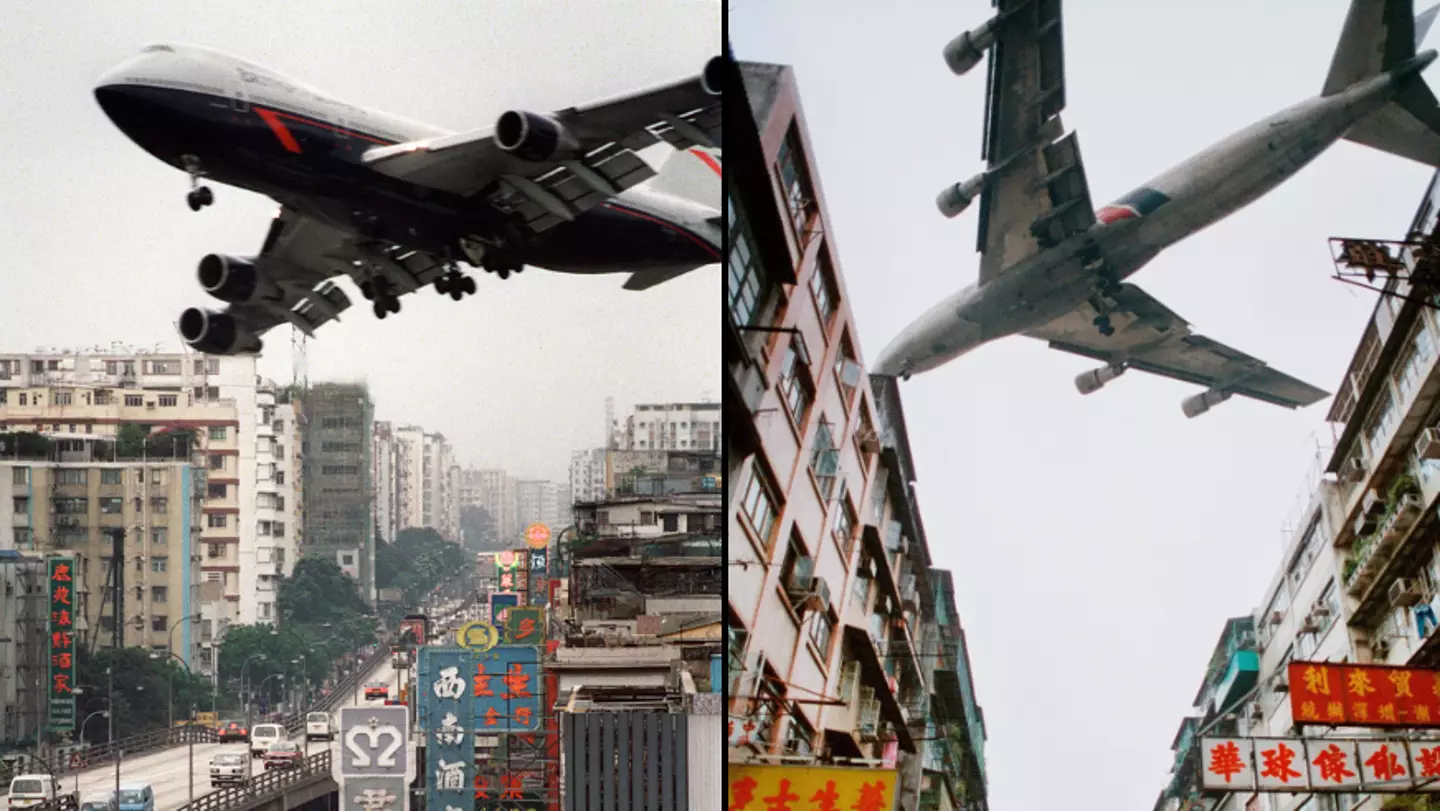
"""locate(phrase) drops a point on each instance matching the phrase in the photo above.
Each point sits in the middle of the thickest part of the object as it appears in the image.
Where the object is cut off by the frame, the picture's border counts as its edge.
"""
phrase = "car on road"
(30, 790)
(263, 735)
(283, 755)
(376, 689)
(229, 768)
(137, 797)
(104, 801)
(233, 731)
(317, 725)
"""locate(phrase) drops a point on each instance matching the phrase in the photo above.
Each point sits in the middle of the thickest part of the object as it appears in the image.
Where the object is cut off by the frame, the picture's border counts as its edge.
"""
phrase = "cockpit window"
(150, 49)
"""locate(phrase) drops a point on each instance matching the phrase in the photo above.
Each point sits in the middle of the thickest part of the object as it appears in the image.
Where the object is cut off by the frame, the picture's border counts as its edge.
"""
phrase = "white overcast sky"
(1098, 543)
(101, 246)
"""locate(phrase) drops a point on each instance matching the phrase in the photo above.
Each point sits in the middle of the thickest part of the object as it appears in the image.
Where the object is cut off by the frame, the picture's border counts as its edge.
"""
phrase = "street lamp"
(105, 713)
(189, 732)
(280, 676)
(243, 694)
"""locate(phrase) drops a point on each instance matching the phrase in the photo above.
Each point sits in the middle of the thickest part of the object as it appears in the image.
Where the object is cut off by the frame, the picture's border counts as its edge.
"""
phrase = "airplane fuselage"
(1132, 231)
(252, 128)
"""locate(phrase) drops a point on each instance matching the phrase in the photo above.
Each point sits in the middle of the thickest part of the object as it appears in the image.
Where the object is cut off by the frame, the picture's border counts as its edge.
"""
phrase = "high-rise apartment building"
(831, 591)
(409, 476)
(672, 426)
(587, 475)
(278, 503)
(385, 476)
(1359, 578)
(65, 393)
(497, 496)
(339, 516)
(538, 500)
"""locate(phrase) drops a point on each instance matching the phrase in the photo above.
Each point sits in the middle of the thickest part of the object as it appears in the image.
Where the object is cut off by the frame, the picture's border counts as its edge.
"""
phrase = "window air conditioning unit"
(1353, 471)
(1281, 684)
(817, 597)
(1320, 608)
(1311, 625)
(1277, 617)
(869, 441)
(1405, 592)
(1373, 504)
(1429, 445)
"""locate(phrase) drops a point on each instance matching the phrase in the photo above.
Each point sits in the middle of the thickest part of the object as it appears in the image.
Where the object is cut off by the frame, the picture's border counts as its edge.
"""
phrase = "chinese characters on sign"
(445, 710)
(507, 688)
(500, 605)
(373, 794)
(762, 788)
(1299, 765)
(539, 583)
(1364, 695)
(525, 626)
(62, 643)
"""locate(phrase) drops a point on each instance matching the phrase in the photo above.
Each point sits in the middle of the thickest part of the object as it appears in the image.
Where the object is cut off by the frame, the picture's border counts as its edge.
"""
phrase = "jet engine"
(712, 78)
(965, 51)
(1095, 379)
(1200, 403)
(532, 137)
(233, 279)
(216, 333)
(958, 197)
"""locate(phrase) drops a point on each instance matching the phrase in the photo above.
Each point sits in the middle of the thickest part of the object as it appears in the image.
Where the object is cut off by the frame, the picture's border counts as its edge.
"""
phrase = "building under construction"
(339, 514)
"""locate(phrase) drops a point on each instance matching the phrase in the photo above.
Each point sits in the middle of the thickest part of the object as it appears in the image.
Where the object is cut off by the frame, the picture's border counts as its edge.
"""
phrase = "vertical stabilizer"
(1379, 36)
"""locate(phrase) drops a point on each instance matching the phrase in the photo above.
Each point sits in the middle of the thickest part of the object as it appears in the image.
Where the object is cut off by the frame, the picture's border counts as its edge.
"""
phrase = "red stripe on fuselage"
(1110, 214)
(328, 126)
(670, 225)
(272, 120)
(709, 161)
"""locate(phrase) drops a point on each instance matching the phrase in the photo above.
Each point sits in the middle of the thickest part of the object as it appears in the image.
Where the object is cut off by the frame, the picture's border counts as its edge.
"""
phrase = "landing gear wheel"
(394, 304)
(1102, 323)
(468, 285)
(503, 273)
(381, 310)
(367, 290)
(199, 198)
(442, 284)
(457, 293)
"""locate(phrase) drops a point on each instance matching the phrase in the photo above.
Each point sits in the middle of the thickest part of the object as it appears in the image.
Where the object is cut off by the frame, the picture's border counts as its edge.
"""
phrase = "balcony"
(1241, 674)
(1234, 666)
(1384, 551)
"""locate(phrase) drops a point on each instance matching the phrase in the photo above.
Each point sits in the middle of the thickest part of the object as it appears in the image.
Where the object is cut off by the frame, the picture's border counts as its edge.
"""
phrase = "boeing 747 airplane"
(396, 205)
(1053, 268)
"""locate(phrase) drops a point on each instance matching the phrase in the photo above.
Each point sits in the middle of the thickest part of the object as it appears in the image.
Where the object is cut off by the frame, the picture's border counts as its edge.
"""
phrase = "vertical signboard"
(539, 575)
(62, 643)
(525, 626)
(445, 712)
(500, 603)
(507, 689)
(507, 568)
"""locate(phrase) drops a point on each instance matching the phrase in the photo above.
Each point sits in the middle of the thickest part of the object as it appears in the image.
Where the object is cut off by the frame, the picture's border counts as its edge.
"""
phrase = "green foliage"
(319, 591)
(24, 444)
(143, 689)
(300, 653)
(417, 561)
(478, 530)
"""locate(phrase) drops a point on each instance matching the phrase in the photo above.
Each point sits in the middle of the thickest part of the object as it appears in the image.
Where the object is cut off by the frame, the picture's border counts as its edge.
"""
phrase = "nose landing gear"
(199, 196)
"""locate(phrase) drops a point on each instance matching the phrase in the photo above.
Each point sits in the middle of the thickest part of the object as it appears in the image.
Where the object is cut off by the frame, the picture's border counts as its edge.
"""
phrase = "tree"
(142, 689)
(319, 591)
(478, 529)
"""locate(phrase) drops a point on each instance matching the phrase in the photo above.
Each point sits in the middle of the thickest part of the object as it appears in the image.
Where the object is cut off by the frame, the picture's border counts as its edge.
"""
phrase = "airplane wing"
(1152, 338)
(1035, 193)
(588, 161)
(301, 256)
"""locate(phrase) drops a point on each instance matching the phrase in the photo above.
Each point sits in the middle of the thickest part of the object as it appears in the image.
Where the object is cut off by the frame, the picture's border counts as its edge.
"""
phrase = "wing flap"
(1152, 338)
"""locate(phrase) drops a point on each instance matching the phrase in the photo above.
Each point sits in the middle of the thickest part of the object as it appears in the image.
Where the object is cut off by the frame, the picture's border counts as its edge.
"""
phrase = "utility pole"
(110, 688)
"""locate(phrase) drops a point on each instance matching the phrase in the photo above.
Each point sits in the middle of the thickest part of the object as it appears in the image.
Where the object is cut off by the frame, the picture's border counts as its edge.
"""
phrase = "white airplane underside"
(1053, 267)
(396, 205)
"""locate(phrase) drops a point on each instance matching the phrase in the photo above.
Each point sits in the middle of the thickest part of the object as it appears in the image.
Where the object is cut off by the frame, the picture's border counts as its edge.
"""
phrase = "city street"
(167, 770)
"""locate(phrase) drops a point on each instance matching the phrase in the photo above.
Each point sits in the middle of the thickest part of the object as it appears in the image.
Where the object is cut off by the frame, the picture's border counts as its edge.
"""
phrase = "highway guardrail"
(264, 787)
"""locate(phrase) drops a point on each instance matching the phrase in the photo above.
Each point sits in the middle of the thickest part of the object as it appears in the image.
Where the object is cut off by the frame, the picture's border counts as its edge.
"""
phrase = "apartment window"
(860, 586)
(215, 550)
(72, 506)
(1305, 556)
(759, 507)
(262, 528)
(799, 738)
(22, 505)
(64, 397)
(159, 594)
(159, 536)
(844, 530)
(20, 476)
(111, 476)
(217, 462)
(22, 398)
(347, 559)
(279, 529)
(162, 367)
(745, 279)
(279, 477)
(134, 400)
(217, 433)
(103, 397)
(279, 502)
(824, 459)
(71, 475)
(112, 505)
(1377, 430)
(795, 180)
(159, 504)
(216, 491)
(24, 538)
(4, 393)
(795, 386)
(157, 477)
(822, 631)
(822, 288)
(215, 577)
(216, 520)
(158, 623)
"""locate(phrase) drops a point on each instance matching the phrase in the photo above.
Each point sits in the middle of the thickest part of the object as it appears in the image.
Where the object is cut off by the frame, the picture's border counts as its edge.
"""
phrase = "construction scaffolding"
(338, 497)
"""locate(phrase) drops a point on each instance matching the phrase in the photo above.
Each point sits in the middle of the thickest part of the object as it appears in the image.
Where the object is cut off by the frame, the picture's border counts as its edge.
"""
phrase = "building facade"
(385, 474)
(672, 426)
(831, 591)
(1359, 580)
(339, 509)
(587, 475)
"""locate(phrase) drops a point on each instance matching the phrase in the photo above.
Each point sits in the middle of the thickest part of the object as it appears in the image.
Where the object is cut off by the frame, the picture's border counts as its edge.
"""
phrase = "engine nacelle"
(533, 137)
(1198, 404)
(712, 78)
(958, 197)
(233, 279)
(965, 51)
(216, 333)
(1095, 379)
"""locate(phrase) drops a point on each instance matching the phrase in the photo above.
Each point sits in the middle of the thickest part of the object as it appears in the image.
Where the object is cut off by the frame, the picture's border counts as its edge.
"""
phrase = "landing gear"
(456, 284)
(1102, 323)
(502, 268)
(503, 257)
(199, 196)
(382, 292)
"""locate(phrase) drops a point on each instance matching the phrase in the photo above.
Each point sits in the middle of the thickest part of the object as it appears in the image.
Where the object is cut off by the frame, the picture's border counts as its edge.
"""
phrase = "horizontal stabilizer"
(1408, 127)
(649, 279)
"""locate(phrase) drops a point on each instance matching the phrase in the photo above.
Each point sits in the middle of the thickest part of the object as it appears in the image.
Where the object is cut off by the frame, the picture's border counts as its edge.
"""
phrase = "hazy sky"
(1098, 543)
(102, 247)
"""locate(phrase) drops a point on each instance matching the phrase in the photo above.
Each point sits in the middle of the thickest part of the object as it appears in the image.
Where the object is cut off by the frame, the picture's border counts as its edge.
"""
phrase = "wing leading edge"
(1152, 338)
